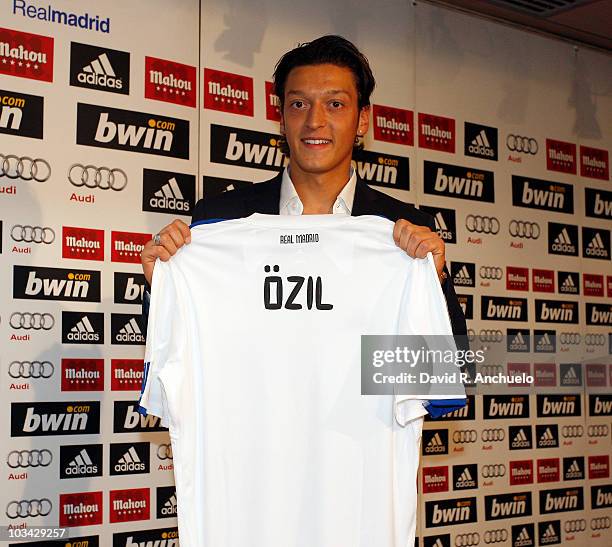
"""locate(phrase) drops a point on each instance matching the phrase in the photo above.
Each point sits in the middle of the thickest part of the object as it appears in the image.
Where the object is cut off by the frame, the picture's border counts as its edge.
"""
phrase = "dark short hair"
(330, 49)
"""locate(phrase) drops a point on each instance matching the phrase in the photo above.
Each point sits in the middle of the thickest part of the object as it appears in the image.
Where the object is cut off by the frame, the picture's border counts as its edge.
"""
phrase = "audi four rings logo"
(24, 168)
(491, 370)
(482, 225)
(488, 335)
(28, 508)
(29, 458)
(571, 526)
(524, 229)
(595, 339)
(600, 430)
(493, 471)
(491, 272)
(164, 452)
(24, 233)
(600, 523)
(31, 369)
(492, 435)
(467, 540)
(518, 143)
(97, 177)
(471, 334)
(570, 338)
(465, 436)
(496, 536)
(33, 321)
(572, 431)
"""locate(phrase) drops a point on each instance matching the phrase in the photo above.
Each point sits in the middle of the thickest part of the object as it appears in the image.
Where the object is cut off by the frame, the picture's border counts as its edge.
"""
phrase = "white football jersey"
(253, 362)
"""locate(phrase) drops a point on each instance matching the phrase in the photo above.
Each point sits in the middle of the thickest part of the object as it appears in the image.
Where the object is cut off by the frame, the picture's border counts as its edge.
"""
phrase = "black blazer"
(264, 197)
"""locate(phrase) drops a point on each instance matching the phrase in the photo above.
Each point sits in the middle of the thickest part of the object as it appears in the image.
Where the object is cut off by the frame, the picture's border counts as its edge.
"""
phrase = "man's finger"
(184, 229)
(167, 242)
(175, 235)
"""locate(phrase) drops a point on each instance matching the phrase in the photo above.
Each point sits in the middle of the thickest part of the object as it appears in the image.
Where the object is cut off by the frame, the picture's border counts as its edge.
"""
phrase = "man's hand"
(171, 238)
(417, 241)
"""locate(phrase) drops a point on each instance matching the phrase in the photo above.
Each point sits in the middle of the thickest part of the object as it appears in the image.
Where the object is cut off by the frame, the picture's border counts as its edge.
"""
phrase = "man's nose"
(316, 116)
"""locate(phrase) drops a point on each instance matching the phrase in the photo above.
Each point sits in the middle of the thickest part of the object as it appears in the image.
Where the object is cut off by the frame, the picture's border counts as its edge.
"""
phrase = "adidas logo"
(518, 343)
(547, 439)
(568, 286)
(438, 543)
(573, 471)
(465, 480)
(462, 277)
(520, 440)
(169, 508)
(81, 465)
(545, 344)
(523, 539)
(83, 331)
(130, 461)
(563, 243)
(435, 445)
(570, 377)
(480, 145)
(442, 228)
(549, 534)
(130, 332)
(568, 283)
(101, 73)
(169, 196)
(596, 247)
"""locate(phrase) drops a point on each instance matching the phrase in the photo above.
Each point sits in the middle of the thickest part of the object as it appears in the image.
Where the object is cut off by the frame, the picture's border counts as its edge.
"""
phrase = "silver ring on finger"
(157, 239)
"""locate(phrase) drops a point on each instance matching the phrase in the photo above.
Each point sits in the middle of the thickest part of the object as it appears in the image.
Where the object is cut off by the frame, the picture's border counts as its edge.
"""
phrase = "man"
(324, 88)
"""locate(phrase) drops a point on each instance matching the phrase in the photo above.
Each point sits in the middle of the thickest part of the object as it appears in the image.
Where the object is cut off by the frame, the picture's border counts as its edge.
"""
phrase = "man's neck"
(318, 191)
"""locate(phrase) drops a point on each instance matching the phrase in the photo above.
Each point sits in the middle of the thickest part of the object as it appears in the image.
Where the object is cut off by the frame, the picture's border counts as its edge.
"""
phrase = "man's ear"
(282, 123)
(364, 120)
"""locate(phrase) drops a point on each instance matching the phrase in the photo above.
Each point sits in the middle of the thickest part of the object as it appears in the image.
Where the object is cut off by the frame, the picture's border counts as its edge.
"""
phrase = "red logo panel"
(609, 285)
(82, 243)
(170, 82)
(549, 470)
(594, 163)
(228, 92)
(82, 509)
(126, 374)
(394, 125)
(127, 246)
(545, 374)
(560, 156)
(437, 133)
(435, 479)
(596, 375)
(517, 279)
(521, 472)
(273, 105)
(128, 505)
(82, 374)
(599, 467)
(543, 280)
(26, 55)
(593, 284)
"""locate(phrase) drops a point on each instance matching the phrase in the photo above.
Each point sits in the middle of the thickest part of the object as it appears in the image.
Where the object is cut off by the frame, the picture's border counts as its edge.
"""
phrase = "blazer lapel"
(265, 198)
(364, 202)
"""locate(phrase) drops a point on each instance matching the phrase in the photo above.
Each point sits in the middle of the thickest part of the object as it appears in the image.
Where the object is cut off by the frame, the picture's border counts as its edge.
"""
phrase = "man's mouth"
(316, 141)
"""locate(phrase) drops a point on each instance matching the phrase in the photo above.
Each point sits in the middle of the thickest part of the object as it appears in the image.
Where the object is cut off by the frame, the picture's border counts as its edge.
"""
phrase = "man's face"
(321, 117)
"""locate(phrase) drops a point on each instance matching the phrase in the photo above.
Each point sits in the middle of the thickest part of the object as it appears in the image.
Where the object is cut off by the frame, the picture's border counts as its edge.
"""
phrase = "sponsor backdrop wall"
(115, 117)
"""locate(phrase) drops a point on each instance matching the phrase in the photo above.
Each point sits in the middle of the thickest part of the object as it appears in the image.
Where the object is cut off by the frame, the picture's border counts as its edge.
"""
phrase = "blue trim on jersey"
(440, 407)
(141, 410)
(207, 221)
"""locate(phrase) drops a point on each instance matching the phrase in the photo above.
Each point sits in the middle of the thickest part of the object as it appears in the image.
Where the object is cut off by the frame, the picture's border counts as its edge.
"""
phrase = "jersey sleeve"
(162, 342)
(423, 311)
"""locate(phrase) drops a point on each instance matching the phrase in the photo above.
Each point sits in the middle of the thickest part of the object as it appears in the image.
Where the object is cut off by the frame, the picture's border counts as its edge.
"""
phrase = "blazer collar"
(365, 200)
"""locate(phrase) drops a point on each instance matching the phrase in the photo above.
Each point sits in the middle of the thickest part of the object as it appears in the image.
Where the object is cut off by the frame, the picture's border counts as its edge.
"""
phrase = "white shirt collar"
(291, 204)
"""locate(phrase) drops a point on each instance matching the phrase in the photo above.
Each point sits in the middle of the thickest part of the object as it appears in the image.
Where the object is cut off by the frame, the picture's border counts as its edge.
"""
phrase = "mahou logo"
(545, 374)
(82, 374)
(21, 115)
(594, 163)
(437, 133)
(82, 243)
(543, 280)
(126, 374)
(521, 472)
(273, 105)
(517, 278)
(81, 509)
(26, 55)
(127, 246)
(117, 129)
(593, 284)
(170, 82)
(435, 479)
(560, 156)
(549, 470)
(393, 124)
(599, 467)
(129, 505)
(228, 92)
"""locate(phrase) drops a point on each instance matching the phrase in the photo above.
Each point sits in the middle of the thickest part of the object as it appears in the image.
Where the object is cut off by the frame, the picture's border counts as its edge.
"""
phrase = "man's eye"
(336, 104)
(298, 104)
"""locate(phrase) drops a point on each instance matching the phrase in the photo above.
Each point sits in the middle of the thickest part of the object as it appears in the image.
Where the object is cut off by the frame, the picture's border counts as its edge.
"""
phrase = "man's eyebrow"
(326, 92)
